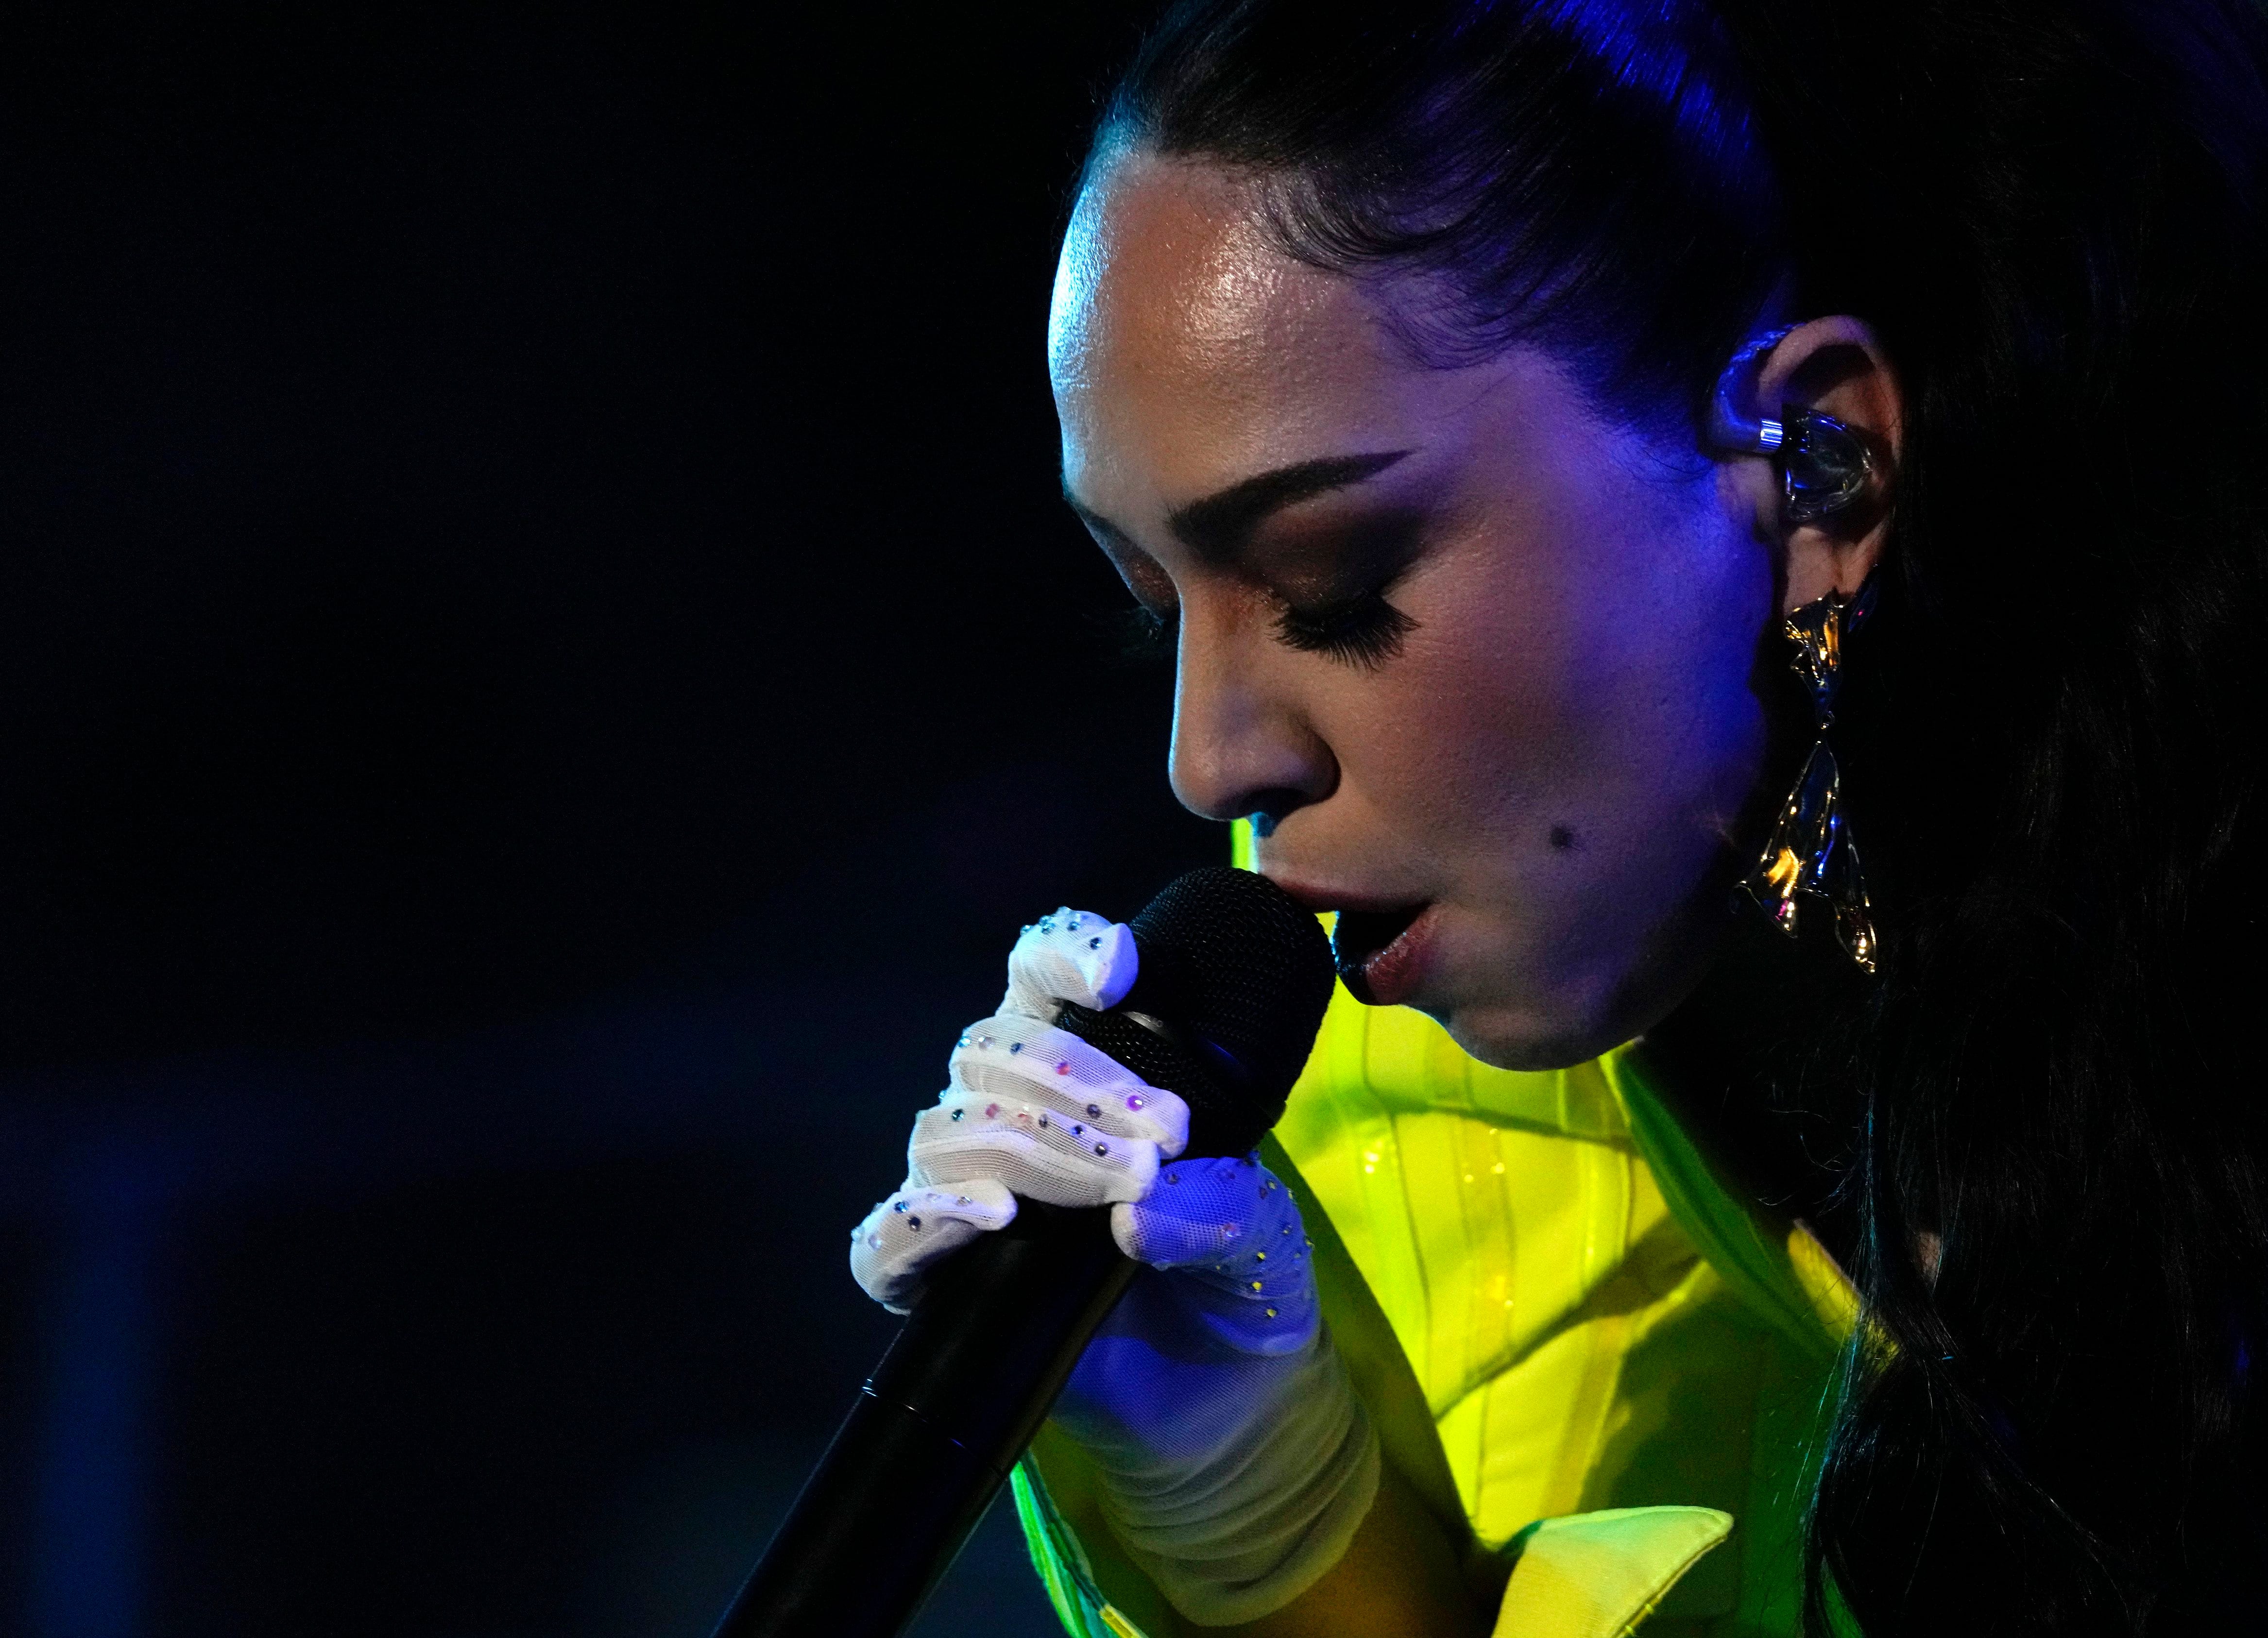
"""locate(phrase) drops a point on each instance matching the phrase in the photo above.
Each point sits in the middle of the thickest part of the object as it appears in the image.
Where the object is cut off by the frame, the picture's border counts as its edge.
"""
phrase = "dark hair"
(2051, 211)
(1514, 153)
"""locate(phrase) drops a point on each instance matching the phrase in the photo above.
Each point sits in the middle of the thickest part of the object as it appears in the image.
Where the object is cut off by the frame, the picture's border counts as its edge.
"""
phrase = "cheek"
(1587, 723)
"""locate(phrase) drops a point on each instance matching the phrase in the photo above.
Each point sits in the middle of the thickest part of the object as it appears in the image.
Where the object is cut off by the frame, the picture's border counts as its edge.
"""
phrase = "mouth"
(1380, 953)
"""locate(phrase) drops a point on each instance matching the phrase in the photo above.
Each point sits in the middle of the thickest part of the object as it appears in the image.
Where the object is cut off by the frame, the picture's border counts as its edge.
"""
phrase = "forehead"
(1184, 341)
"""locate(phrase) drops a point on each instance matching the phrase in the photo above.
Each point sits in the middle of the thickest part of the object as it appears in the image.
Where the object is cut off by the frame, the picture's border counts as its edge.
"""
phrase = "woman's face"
(1481, 655)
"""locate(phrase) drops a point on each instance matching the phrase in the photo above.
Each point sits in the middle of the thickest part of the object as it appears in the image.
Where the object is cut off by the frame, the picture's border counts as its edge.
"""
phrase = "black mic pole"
(944, 1418)
(1234, 976)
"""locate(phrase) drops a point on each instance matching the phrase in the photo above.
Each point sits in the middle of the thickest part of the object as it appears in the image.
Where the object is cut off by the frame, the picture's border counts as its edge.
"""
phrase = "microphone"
(1231, 979)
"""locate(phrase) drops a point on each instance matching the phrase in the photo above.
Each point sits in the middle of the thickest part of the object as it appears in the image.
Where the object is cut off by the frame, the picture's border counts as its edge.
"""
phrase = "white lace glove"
(1236, 1462)
(1031, 1110)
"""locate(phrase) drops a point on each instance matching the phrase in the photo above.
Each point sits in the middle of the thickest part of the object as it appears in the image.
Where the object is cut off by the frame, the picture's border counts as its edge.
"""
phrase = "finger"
(1229, 1234)
(1201, 1211)
(906, 1234)
(1030, 1149)
(1027, 1062)
(1069, 956)
(1267, 1309)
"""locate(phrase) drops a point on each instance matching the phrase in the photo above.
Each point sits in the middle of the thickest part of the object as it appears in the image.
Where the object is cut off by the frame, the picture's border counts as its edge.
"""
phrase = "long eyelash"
(1145, 634)
(1363, 630)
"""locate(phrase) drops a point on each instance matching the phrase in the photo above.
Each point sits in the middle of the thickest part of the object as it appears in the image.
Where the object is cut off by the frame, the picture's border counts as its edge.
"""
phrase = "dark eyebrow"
(1216, 526)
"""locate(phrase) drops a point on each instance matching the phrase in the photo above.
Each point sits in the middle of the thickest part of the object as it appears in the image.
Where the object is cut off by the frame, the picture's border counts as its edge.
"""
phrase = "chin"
(1569, 1018)
(1521, 1006)
(1511, 1037)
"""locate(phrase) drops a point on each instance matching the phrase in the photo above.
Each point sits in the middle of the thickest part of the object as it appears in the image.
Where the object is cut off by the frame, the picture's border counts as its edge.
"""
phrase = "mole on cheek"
(1563, 840)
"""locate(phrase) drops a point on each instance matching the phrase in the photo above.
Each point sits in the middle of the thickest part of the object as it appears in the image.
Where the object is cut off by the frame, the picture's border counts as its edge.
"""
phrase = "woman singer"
(1721, 541)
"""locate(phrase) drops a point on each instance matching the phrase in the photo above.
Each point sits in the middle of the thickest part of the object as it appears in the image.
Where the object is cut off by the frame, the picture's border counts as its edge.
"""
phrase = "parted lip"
(1361, 937)
(1368, 924)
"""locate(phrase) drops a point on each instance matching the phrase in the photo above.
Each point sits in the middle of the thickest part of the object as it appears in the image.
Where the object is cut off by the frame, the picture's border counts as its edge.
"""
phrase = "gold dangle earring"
(1810, 850)
(1824, 468)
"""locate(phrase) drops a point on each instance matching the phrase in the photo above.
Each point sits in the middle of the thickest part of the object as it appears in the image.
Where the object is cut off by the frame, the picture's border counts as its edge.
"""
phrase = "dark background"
(541, 667)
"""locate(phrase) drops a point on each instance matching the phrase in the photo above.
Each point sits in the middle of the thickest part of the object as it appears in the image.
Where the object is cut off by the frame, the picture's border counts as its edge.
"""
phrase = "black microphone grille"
(1252, 970)
(1234, 978)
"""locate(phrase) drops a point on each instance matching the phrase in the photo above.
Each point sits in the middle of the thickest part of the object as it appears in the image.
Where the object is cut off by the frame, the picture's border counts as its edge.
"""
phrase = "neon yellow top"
(1572, 1337)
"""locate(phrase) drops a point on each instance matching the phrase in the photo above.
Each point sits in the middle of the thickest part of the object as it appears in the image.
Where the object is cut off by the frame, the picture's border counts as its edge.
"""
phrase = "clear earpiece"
(1823, 465)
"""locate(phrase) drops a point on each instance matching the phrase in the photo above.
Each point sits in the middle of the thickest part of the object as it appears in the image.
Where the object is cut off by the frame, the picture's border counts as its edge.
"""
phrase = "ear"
(1834, 365)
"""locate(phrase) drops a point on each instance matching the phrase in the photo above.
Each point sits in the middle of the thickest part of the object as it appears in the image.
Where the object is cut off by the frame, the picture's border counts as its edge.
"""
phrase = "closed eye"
(1363, 630)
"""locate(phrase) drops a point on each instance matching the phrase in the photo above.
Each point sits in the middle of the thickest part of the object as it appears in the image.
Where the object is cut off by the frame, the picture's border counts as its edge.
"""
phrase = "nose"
(1242, 743)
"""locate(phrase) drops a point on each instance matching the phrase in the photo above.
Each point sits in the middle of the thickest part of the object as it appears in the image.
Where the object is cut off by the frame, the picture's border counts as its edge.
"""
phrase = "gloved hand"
(1030, 1110)
(1236, 1460)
